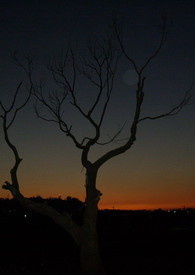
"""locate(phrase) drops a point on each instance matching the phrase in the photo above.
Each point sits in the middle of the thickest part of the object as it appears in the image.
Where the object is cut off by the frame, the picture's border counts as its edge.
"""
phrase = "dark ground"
(131, 242)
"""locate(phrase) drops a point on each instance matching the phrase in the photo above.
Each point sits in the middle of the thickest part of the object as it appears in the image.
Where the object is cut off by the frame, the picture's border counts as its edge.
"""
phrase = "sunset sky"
(159, 170)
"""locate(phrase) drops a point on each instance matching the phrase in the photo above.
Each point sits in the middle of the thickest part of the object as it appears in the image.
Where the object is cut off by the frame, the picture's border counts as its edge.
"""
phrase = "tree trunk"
(91, 262)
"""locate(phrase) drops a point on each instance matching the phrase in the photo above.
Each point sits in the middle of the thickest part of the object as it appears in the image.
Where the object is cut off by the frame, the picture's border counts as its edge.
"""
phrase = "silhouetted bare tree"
(99, 69)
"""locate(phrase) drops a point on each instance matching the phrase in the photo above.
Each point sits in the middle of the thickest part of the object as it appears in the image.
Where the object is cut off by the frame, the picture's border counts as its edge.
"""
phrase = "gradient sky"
(159, 170)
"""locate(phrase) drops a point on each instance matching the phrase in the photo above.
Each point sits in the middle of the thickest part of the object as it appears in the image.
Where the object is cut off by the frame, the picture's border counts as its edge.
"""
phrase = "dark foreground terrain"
(131, 242)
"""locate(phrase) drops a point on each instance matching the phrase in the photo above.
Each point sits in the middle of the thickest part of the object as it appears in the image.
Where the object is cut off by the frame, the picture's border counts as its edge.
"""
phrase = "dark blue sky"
(159, 171)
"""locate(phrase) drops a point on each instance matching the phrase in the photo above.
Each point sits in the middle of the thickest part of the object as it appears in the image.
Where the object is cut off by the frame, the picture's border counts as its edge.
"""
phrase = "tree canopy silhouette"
(98, 66)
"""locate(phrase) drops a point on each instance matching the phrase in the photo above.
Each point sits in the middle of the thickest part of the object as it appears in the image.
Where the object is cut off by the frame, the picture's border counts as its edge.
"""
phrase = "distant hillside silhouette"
(73, 206)
(166, 239)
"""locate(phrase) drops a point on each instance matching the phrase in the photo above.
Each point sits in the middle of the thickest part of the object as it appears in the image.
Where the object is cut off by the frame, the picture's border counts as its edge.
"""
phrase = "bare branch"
(3, 108)
(37, 112)
(114, 136)
(133, 130)
(110, 74)
(28, 67)
(19, 108)
(74, 69)
(164, 32)
(63, 220)
(118, 32)
(100, 63)
(13, 111)
(14, 169)
(15, 96)
(139, 94)
(174, 111)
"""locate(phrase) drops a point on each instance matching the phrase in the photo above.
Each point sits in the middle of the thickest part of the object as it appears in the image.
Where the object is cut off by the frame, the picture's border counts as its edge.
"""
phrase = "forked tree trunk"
(91, 262)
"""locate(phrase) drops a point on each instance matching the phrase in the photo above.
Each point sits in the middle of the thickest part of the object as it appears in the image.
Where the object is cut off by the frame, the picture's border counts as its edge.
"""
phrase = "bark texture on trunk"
(91, 262)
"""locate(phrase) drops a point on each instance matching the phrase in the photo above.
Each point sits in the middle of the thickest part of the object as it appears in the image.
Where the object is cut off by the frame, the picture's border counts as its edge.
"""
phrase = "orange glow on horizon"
(122, 197)
(120, 205)
(145, 206)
